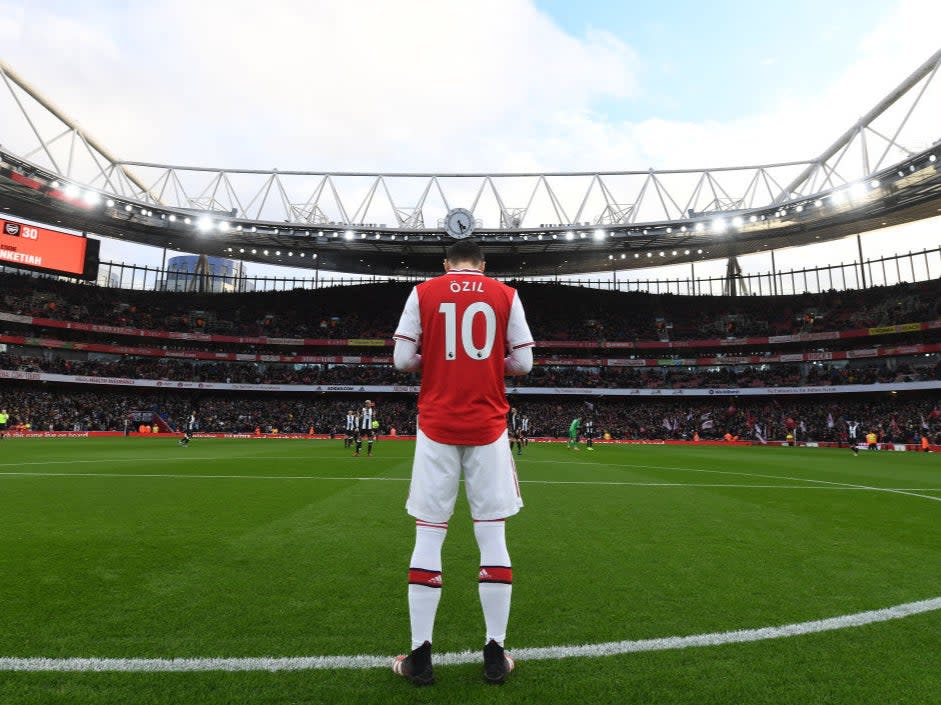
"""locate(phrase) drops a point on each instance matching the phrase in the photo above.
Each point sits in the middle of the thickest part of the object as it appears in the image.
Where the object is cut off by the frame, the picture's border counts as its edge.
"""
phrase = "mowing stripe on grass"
(173, 476)
(611, 648)
(847, 485)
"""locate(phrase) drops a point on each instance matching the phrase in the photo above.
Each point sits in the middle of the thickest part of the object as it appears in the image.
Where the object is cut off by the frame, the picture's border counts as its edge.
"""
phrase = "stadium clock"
(459, 223)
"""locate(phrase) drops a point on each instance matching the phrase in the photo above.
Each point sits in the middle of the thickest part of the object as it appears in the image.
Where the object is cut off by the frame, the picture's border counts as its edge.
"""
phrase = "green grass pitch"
(241, 548)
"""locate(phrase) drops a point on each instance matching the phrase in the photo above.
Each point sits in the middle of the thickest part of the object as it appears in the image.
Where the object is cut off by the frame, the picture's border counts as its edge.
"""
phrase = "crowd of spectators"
(555, 311)
(775, 375)
(896, 418)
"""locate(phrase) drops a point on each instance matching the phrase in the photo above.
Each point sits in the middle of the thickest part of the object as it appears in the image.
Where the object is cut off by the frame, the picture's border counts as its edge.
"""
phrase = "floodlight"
(348, 235)
(204, 224)
(857, 190)
(569, 235)
(600, 234)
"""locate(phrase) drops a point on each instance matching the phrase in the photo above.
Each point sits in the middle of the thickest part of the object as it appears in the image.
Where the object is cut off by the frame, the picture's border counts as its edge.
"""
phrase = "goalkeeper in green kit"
(573, 433)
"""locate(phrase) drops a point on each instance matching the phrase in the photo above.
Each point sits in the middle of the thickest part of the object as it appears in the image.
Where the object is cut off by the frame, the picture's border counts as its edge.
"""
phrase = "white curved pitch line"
(611, 648)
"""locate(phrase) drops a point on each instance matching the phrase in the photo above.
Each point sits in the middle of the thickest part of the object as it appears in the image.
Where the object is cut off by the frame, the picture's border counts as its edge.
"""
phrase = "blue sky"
(722, 59)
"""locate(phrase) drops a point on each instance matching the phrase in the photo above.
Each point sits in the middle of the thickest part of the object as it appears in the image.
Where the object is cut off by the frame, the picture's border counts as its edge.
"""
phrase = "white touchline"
(610, 648)
(187, 458)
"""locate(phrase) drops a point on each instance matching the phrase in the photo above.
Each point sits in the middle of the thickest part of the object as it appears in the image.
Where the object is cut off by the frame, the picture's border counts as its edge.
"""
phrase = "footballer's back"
(466, 331)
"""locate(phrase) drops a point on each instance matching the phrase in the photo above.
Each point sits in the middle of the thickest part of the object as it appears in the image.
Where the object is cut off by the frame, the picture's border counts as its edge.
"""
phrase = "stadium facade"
(192, 334)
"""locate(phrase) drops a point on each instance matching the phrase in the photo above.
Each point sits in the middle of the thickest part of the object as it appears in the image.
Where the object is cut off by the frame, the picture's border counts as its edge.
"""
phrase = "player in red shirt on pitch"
(472, 332)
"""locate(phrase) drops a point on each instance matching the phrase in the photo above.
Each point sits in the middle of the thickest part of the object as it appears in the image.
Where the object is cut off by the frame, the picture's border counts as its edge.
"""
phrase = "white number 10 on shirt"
(467, 326)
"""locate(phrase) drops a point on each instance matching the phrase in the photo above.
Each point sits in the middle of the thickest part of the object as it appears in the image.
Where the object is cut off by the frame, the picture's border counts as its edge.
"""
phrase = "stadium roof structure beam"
(571, 222)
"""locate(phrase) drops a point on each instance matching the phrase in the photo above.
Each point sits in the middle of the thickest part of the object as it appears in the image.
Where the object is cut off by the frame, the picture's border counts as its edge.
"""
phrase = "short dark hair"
(464, 251)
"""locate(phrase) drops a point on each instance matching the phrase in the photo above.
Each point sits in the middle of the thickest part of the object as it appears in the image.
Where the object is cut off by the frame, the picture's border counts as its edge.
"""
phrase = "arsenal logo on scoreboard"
(11, 229)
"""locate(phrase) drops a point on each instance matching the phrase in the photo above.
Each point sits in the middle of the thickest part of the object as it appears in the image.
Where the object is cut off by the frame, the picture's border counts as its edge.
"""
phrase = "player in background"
(188, 429)
(365, 429)
(516, 431)
(472, 331)
(4, 420)
(872, 440)
(573, 434)
(524, 430)
(350, 429)
(851, 428)
(588, 430)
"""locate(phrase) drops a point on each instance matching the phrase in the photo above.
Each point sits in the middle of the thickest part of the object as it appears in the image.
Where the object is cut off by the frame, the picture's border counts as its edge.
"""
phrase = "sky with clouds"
(490, 85)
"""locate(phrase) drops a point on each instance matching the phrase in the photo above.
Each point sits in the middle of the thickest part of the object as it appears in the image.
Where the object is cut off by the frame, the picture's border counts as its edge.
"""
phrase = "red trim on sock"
(495, 574)
(420, 522)
(428, 578)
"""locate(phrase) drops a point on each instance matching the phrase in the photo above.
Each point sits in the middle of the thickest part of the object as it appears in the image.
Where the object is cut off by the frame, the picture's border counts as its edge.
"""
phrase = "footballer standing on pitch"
(472, 331)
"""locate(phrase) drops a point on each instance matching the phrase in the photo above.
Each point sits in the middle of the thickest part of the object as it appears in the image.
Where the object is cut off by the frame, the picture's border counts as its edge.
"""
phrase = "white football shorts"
(490, 480)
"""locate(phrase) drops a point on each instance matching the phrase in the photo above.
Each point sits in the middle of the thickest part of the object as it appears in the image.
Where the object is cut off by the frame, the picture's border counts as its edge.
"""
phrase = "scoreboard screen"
(31, 246)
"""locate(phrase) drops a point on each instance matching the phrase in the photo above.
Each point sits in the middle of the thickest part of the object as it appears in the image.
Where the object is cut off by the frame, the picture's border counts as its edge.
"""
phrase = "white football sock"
(424, 580)
(496, 578)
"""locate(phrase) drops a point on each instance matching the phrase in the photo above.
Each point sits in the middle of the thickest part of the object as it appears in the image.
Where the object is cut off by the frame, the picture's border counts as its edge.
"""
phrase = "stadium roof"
(882, 171)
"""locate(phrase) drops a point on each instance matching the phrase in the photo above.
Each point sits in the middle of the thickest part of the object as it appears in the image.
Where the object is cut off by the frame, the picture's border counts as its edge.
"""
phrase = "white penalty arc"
(611, 648)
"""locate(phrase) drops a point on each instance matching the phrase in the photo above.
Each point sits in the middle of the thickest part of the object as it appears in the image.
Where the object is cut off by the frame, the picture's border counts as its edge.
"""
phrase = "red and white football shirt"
(466, 324)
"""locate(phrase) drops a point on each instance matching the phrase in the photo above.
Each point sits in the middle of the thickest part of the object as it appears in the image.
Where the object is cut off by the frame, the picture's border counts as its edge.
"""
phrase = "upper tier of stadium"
(881, 171)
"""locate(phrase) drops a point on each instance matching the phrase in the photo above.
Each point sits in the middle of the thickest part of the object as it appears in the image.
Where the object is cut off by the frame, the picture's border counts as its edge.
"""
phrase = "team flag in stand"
(708, 424)
(830, 423)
